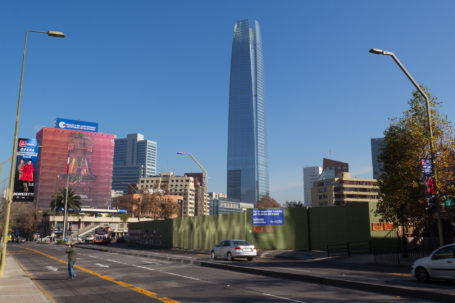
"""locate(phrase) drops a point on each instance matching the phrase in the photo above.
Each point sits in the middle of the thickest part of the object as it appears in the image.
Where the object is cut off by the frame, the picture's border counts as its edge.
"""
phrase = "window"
(444, 253)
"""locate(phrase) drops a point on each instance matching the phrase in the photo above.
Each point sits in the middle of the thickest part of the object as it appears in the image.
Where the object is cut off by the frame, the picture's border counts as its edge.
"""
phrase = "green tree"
(403, 191)
(58, 200)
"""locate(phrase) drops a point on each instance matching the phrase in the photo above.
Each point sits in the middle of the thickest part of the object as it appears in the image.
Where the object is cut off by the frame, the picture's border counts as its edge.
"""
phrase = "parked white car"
(231, 249)
(440, 264)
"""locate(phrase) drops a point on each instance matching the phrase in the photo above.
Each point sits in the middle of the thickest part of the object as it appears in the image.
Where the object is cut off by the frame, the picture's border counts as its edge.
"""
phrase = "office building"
(89, 172)
(310, 175)
(337, 166)
(202, 203)
(247, 160)
(376, 146)
(343, 190)
(134, 158)
(222, 206)
(173, 185)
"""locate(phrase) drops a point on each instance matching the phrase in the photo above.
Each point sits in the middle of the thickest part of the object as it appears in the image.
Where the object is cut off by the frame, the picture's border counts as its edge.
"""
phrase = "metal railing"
(348, 248)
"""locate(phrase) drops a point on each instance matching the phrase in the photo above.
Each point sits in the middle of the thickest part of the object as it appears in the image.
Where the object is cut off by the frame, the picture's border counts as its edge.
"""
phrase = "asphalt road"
(108, 277)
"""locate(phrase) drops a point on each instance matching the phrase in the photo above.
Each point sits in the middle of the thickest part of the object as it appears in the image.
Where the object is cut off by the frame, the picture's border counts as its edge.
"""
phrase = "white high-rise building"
(134, 158)
(310, 175)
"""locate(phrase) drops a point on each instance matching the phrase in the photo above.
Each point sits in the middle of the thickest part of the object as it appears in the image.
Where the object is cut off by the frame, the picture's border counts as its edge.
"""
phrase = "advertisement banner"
(427, 167)
(82, 159)
(76, 125)
(268, 216)
(24, 180)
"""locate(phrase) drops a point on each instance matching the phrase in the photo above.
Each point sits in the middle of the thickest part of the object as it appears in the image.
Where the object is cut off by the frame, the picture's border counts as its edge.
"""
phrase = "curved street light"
(13, 158)
(377, 51)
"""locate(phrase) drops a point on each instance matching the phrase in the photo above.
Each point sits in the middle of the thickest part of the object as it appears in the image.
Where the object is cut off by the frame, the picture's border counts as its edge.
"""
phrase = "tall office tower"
(134, 158)
(310, 175)
(247, 163)
(376, 145)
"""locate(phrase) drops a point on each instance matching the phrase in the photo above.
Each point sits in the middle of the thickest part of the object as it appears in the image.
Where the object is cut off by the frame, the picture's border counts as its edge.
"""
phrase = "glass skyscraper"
(134, 158)
(247, 161)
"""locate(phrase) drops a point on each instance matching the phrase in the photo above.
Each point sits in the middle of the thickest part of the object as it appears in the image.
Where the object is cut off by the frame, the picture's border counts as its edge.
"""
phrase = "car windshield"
(241, 243)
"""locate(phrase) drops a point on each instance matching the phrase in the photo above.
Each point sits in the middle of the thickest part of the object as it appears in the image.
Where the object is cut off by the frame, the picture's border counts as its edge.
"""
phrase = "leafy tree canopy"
(403, 190)
(293, 204)
(58, 200)
(267, 202)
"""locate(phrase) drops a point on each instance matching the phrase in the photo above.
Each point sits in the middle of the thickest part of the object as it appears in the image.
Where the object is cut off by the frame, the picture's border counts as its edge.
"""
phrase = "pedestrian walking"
(72, 255)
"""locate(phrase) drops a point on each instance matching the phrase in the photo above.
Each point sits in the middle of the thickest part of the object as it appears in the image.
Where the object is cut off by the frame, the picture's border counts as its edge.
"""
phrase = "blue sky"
(161, 68)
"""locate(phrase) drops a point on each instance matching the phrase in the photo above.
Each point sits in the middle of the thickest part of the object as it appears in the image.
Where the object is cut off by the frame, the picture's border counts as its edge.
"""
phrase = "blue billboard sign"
(24, 180)
(268, 216)
(76, 125)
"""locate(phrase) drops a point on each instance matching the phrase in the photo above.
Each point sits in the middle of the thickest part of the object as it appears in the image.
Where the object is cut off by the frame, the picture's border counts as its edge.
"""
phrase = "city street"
(109, 277)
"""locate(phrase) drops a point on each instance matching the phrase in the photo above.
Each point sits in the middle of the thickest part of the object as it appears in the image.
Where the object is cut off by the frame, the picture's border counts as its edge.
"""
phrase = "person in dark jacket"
(72, 255)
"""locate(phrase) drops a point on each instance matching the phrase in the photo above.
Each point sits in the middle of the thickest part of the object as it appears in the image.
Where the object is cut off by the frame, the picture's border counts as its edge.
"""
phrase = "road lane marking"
(48, 295)
(171, 273)
(115, 261)
(143, 267)
(102, 265)
(282, 298)
(52, 268)
(166, 272)
(121, 283)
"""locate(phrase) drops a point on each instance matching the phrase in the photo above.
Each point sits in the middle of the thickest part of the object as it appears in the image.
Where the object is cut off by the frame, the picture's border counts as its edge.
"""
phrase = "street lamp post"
(206, 176)
(430, 128)
(3, 163)
(13, 157)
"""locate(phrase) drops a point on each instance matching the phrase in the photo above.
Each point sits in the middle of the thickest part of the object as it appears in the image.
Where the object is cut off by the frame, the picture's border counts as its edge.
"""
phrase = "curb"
(369, 287)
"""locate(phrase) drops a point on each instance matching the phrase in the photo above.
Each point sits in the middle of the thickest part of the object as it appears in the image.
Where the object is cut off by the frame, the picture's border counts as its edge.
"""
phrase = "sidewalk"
(311, 267)
(18, 287)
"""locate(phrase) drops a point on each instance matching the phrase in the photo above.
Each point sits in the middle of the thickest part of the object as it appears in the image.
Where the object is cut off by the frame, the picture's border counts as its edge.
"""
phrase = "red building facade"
(89, 172)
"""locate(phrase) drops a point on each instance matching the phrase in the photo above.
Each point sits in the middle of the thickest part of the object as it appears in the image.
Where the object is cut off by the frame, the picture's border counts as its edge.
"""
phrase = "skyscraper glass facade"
(247, 161)
(134, 158)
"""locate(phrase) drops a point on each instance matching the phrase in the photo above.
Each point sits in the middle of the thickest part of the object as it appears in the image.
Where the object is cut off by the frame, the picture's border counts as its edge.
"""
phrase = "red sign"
(22, 143)
(258, 229)
(377, 226)
(388, 226)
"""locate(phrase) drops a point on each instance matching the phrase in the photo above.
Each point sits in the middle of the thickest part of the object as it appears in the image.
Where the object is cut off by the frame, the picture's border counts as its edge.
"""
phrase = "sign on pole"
(24, 180)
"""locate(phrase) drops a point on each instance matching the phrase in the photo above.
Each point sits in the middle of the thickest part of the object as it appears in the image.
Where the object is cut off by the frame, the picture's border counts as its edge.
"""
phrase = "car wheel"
(229, 256)
(212, 254)
(422, 275)
(250, 258)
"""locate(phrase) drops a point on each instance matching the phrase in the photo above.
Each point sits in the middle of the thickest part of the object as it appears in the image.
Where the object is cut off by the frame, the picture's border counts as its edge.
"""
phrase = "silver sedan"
(231, 249)
(439, 265)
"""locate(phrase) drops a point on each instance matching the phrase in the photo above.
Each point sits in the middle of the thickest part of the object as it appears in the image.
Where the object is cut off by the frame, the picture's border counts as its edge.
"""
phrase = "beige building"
(173, 185)
(343, 190)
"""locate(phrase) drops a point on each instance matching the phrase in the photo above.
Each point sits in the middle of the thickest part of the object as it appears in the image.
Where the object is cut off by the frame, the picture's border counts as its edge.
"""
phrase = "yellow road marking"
(121, 283)
(400, 274)
(48, 295)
